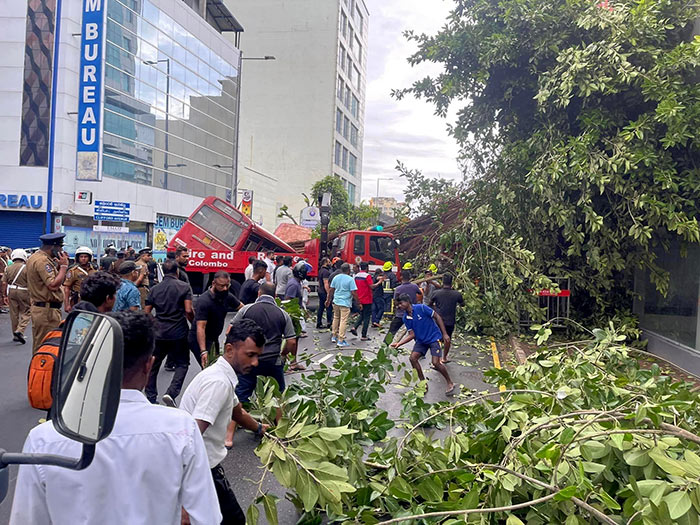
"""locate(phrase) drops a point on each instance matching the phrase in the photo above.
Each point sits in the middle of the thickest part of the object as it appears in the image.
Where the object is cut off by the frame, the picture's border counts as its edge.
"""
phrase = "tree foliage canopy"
(577, 121)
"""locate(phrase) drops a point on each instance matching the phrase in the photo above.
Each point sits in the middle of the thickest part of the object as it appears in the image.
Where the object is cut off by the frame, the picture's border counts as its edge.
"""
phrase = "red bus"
(219, 237)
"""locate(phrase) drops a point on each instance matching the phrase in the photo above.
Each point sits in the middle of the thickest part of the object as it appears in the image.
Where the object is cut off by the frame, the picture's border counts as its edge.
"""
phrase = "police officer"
(15, 279)
(75, 276)
(143, 281)
(46, 272)
(109, 258)
(5, 263)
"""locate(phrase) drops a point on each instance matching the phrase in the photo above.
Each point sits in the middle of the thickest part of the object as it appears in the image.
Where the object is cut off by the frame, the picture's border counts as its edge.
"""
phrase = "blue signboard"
(91, 90)
(112, 211)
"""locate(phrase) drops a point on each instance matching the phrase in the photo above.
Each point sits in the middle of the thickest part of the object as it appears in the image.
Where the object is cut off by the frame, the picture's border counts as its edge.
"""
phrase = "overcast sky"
(405, 130)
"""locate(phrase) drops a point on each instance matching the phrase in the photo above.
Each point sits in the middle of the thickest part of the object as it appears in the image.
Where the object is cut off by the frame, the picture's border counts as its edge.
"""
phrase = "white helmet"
(83, 250)
(19, 253)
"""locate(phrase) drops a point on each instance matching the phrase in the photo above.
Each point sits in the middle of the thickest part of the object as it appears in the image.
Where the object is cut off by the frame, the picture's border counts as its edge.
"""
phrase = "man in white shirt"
(248, 272)
(211, 400)
(269, 259)
(151, 466)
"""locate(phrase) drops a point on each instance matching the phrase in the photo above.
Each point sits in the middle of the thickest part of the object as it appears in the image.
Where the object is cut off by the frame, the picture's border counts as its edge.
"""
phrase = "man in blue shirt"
(128, 296)
(343, 289)
(426, 327)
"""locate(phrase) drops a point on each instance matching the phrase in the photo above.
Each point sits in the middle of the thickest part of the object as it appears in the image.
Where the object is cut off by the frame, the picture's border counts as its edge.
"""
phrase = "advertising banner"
(164, 230)
(97, 241)
(91, 91)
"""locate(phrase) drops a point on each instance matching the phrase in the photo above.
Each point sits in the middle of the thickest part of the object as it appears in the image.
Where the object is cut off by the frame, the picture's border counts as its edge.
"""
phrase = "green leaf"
(307, 491)
(269, 502)
(334, 433)
(400, 489)
(565, 493)
(678, 504)
(514, 520)
(252, 515)
(593, 468)
(671, 466)
(430, 489)
(637, 458)
(567, 436)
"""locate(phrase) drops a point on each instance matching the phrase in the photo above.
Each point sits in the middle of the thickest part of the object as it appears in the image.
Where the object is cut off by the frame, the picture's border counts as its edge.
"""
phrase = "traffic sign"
(112, 211)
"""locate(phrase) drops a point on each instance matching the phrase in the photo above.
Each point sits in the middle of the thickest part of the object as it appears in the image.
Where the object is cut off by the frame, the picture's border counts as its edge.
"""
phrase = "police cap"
(146, 250)
(52, 239)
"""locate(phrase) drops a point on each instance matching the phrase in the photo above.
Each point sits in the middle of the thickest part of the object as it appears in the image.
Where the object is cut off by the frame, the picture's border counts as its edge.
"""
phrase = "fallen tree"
(581, 434)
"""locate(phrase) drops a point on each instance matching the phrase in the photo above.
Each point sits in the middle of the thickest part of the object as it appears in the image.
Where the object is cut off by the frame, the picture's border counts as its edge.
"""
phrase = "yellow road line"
(496, 359)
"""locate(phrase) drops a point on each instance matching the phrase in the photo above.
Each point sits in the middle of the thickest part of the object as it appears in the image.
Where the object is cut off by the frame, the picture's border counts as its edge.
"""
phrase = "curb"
(519, 348)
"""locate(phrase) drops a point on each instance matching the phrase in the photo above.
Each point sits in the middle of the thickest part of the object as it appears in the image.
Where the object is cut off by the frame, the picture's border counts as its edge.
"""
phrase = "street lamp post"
(167, 114)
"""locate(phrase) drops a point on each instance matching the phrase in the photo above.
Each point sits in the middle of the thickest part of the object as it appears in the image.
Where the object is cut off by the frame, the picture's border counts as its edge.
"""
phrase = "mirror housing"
(88, 377)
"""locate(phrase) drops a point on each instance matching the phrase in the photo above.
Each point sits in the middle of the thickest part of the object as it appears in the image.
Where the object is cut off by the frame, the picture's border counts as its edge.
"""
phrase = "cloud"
(405, 130)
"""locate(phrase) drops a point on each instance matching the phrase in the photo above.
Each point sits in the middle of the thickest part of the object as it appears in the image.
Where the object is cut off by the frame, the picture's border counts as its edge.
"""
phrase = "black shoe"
(14, 337)
(353, 331)
(20, 337)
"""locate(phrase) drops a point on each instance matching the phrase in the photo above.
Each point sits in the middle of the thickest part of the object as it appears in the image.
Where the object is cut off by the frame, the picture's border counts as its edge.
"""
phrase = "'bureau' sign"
(91, 91)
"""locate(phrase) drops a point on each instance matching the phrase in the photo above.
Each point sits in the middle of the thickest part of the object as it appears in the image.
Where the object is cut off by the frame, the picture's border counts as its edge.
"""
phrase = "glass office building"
(171, 104)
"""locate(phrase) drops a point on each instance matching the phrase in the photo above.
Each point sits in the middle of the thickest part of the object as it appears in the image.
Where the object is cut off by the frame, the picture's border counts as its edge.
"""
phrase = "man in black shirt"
(108, 259)
(210, 311)
(172, 300)
(324, 287)
(249, 290)
(445, 301)
(182, 257)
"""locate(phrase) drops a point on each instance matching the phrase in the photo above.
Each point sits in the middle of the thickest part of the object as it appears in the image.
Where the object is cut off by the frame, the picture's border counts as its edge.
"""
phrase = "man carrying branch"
(425, 326)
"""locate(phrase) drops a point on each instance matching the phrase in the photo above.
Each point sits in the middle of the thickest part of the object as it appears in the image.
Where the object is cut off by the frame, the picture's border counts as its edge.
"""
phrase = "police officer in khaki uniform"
(46, 272)
(5, 263)
(14, 281)
(142, 283)
(75, 276)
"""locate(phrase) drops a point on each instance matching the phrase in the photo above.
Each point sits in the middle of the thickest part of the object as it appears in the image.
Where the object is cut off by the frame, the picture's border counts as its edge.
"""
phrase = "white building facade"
(168, 117)
(302, 114)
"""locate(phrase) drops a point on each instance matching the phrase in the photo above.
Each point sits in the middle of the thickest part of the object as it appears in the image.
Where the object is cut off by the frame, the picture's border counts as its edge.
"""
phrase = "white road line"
(323, 359)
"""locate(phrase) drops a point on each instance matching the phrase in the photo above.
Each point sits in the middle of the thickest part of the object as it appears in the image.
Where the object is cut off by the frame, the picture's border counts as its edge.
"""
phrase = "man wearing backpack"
(98, 293)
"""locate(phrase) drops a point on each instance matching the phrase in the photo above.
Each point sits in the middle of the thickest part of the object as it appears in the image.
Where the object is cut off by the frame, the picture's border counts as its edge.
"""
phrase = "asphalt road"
(241, 465)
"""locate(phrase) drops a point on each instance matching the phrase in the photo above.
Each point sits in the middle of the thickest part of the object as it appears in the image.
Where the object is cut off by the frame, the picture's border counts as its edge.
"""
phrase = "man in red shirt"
(364, 283)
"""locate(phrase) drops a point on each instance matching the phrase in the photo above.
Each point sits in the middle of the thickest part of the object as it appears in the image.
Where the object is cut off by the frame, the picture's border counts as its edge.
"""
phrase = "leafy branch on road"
(580, 435)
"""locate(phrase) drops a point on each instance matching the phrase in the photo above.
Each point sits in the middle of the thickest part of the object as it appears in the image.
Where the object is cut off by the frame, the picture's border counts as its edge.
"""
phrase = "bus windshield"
(381, 248)
(217, 225)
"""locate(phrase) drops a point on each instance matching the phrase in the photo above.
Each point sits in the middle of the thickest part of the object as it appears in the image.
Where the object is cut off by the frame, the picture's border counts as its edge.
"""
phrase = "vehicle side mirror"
(335, 243)
(398, 242)
(88, 377)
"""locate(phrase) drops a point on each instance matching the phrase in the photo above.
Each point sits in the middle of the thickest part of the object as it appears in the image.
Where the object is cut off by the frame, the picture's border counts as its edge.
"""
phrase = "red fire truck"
(220, 237)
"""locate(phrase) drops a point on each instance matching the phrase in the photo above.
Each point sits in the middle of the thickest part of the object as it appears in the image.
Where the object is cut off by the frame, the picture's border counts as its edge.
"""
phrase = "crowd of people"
(181, 451)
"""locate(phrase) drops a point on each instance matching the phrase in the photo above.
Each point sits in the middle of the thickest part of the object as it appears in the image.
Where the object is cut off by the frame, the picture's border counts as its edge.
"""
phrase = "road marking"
(496, 359)
(323, 359)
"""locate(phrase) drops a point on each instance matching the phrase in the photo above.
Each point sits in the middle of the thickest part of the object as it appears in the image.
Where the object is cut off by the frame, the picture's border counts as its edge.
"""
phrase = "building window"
(351, 69)
(351, 38)
(343, 22)
(355, 107)
(341, 87)
(348, 96)
(341, 57)
(351, 197)
(36, 96)
(339, 121)
(338, 153)
(359, 19)
(344, 165)
(346, 127)
(354, 132)
(356, 78)
(352, 165)
(359, 50)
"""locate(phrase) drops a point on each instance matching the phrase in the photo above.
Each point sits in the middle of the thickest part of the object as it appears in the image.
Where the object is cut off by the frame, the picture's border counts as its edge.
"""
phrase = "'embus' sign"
(91, 91)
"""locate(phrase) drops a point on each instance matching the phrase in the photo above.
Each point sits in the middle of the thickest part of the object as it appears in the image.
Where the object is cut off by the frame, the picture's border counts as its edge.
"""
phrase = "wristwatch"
(259, 431)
